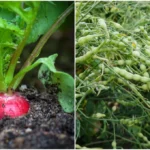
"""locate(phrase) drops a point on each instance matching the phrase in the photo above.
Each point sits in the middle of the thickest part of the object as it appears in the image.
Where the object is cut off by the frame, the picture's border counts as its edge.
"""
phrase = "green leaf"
(47, 15)
(6, 14)
(4, 25)
(18, 8)
(64, 81)
(66, 95)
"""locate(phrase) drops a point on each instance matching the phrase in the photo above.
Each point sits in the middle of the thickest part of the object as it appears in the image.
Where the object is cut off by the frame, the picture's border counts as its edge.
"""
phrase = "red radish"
(1, 108)
(13, 105)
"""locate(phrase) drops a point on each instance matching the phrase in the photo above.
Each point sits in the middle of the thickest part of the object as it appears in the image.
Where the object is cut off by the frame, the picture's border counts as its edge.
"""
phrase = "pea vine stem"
(83, 97)
(83, 58)
(93, 6)
(37, 50)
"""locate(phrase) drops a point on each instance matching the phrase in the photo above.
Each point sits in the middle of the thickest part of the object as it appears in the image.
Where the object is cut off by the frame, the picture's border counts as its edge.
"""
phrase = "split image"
(74, 75)
(36, 75)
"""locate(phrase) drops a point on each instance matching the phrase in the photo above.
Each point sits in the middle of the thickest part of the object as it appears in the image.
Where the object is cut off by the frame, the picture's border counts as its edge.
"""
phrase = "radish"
(16, 37)
(1, 108)
(13, 105)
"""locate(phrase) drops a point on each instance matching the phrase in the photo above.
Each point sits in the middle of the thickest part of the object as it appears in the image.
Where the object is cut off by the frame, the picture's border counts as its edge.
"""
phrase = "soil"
(45, 126)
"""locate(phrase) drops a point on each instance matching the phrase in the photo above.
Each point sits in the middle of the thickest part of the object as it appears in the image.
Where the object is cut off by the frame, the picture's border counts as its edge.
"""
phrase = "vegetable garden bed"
(45, 126)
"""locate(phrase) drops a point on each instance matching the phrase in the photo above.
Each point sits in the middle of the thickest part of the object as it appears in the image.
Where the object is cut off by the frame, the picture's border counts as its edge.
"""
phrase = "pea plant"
(22, 23)
(113, 74)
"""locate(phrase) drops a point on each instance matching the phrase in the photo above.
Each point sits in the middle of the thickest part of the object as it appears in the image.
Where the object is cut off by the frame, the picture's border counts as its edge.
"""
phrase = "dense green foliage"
(112, 81)
(14, 21)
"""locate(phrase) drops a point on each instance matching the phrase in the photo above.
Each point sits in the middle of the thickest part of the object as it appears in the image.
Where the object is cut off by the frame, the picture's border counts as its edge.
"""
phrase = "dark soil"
(45, 126)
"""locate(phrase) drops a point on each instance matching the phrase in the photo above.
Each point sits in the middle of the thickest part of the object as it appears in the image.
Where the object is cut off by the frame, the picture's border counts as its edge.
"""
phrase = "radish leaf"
(47, 15)
(64, 81)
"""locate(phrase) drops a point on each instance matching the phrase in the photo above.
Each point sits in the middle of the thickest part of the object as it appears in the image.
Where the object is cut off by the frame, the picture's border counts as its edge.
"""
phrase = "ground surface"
(45, 126)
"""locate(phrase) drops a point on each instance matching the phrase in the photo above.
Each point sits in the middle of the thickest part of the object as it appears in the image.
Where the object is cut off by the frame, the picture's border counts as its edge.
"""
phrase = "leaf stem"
(17, 53)
(37, 50)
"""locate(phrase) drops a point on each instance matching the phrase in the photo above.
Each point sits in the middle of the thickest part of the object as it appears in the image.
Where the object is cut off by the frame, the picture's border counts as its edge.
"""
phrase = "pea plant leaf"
(46, 16)
(64, 81)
